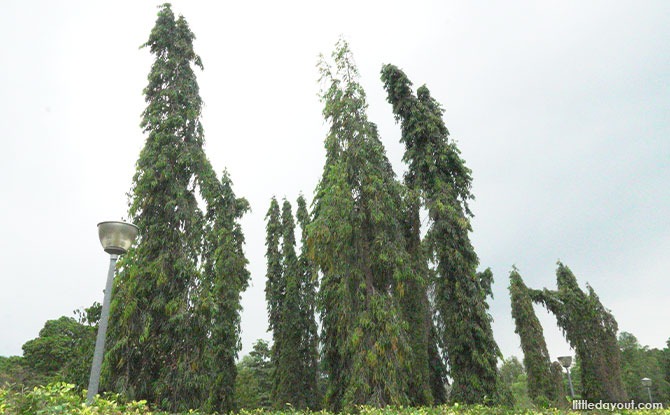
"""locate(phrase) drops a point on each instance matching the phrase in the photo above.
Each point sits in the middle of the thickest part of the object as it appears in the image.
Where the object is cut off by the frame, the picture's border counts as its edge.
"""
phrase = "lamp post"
(116, 238)
(646, 382)
(566, 361)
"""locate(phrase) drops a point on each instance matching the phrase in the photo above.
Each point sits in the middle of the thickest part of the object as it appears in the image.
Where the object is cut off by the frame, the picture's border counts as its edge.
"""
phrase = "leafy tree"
(14, 374)
(426, 385)
(437, 368)
(290, 297)
(224, 277)
(356, 240)
(439, 175)
(638, 362)
(62, 352)
(511, 369)
(289, 367)
(665, 362)
(274, 284)
(591, 331)
(254, 381)
(536, 356)
(309, 335)
(174, 333)
(513, 377)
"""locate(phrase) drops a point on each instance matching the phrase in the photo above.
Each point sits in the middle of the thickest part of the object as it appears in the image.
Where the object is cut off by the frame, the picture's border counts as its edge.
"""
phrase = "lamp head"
(117, 237)
(565, 361)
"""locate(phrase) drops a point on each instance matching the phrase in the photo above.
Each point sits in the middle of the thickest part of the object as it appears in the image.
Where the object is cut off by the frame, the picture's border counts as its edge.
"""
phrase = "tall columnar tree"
(175, 308)
(218, 295)
(288, 334)
(536, 359)
(427, 383)
(275, 289)
(310, 342)
(291, 312)
(356, 239)
(591, 330)
(438, 173)
(275, 286)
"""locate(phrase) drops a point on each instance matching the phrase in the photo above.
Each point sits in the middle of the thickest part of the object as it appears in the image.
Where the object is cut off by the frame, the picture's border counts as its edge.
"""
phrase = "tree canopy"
(439, 176)
(175, 309)
(356, 240)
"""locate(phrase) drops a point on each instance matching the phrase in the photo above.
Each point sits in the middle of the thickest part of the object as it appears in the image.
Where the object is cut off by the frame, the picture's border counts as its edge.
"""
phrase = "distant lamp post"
(646, 382)
(116, 238)
(566, 362)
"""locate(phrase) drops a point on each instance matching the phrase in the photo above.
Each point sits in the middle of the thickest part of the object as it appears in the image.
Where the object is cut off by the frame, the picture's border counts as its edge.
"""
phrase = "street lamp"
(646, 382)
(566, 361)
(116, 238)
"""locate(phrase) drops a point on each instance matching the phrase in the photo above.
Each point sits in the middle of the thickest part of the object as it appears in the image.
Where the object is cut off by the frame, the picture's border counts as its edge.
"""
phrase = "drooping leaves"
(439, 175)
(536, 361)
(174, 334)
(591, 330)
(356, 239)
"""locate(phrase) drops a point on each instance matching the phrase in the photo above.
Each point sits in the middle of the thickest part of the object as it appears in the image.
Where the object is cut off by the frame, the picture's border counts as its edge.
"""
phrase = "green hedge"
(63, 399)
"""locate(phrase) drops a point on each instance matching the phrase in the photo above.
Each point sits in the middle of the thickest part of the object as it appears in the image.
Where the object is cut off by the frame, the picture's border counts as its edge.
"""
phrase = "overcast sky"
(561, 109)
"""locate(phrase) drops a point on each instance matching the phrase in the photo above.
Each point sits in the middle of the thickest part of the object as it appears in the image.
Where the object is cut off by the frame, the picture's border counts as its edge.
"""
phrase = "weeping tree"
(291, 312)
(275, 287)
(309, 343)
(591, 330)
(443, 182)
(175, 309)
(217, 300)
(356, 240)
(536, 360)
(428, 380)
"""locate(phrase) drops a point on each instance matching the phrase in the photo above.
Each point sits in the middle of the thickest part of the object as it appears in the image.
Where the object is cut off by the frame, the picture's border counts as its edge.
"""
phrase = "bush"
(63, 399)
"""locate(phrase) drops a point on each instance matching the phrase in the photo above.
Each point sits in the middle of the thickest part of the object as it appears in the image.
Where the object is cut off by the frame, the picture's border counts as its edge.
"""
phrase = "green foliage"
(254, 382)
(664, 360)
(428, 376)
(511, 370)
(62, 399)
(224, 276)
(174, 330)
(275, 289)
(513, 381)
(62, 352)
(15, 374)
(639, 362)
(560, 382)
(309, 343)
(292, 313)
(591, 331)
(356, 239)
(287, 336)
(536, 359)
(439, 175)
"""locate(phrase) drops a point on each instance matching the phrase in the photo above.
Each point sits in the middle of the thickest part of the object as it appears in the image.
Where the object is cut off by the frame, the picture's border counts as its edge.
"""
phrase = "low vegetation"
(63, 398)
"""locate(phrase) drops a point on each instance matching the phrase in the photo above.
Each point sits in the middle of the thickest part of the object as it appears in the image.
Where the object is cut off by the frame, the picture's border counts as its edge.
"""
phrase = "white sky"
(560, 108)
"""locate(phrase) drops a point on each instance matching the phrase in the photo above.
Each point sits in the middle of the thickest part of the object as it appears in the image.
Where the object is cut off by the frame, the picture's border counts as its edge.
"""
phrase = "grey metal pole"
(649, 392)
(572, 391)
(94, 380)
